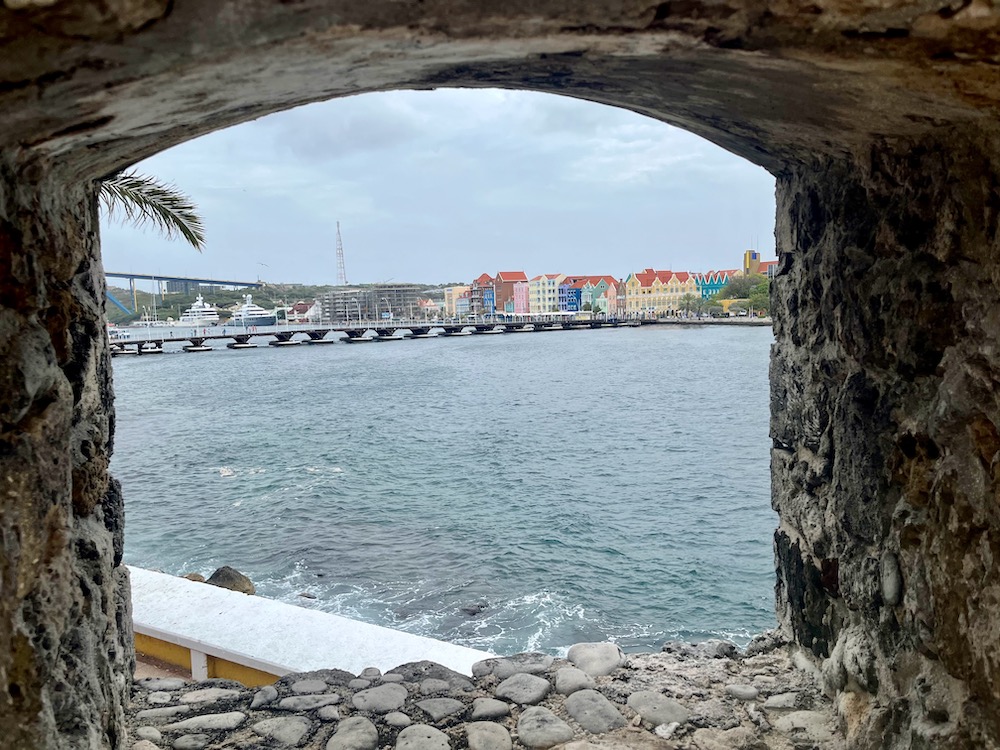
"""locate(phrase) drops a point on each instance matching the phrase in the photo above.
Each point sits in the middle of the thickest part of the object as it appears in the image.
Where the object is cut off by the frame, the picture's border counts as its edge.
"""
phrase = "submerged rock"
(230, 578)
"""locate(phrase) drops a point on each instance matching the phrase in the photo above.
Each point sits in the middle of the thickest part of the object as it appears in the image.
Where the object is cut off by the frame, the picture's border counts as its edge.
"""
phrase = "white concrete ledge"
(274, 637)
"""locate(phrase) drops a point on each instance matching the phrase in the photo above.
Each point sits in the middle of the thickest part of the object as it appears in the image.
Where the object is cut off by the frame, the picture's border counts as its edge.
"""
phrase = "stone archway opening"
(693, 589)
(880, 125)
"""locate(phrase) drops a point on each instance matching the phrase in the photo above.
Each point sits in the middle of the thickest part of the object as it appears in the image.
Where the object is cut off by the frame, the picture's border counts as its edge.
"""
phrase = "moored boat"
(249, 314)
(199, 315)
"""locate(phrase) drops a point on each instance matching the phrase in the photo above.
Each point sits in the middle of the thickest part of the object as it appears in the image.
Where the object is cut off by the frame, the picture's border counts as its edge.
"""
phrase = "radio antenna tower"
(341, 272)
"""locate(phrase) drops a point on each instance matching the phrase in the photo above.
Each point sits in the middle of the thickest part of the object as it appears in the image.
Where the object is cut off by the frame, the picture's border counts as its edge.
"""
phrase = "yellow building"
(451, 295)
(658, 293)
(753, 264)
(543, 293)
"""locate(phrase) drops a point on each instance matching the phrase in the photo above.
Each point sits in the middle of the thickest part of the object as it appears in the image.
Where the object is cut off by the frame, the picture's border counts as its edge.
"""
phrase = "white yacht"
(249, 314)
(199, 315)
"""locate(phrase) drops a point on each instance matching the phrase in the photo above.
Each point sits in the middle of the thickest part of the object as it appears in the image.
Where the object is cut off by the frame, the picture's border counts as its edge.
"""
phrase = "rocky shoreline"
(703, 697)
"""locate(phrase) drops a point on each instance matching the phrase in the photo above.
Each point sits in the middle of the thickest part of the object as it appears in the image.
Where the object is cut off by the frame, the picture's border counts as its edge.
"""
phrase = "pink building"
(503, 289)
(521, 303)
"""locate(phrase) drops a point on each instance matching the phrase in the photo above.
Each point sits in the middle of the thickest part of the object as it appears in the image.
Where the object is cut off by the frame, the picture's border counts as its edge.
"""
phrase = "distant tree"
(740, 286)
(141, 199)
(688, 303)
(586, 307)
(760, 296)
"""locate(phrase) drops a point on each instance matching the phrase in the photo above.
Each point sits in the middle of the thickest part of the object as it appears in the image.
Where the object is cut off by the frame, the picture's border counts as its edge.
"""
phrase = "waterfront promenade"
(149, 340)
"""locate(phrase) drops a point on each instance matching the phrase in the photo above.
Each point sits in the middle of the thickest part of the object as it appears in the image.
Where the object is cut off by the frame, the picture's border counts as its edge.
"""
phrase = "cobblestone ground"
(704, 697)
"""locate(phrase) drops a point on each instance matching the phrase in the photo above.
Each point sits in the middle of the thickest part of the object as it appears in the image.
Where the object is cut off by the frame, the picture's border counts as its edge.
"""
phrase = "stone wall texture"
(880, 121)
(65, 628)
(886, 451)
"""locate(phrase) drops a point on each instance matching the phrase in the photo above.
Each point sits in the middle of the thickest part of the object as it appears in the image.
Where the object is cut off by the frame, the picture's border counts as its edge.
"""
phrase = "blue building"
(570, 296)
(710, 283)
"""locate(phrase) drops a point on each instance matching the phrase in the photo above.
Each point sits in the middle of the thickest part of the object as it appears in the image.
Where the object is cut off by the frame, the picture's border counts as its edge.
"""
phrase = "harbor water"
(507, 493)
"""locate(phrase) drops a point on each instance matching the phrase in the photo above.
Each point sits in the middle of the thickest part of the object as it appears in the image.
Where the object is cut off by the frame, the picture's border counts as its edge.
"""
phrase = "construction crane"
(341, 271)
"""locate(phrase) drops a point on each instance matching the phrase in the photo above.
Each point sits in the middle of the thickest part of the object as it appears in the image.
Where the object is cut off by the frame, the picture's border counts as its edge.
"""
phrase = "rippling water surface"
(584, 485)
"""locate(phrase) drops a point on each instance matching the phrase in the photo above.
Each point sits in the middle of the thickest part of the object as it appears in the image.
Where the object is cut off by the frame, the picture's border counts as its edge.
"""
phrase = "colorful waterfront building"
(451, 297)
(543, 293)
(482, 297)
(594, 296)
(522, 299)
(428, 308)
(569, 295)
(710, 283)
(462, 306)
(503, 286)
(657, 293)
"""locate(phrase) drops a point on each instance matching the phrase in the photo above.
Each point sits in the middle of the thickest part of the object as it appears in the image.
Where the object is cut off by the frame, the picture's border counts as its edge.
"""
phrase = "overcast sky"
(440, 186)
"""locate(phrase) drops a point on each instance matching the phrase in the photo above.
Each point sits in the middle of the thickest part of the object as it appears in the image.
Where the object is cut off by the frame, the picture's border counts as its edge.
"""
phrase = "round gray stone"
(438, 708)
(309, 686)
(594, 712)
(504, 667)
(208, 695)
(782, 702)
(526, 689)
(370, 673)
(149, 733)
(485, 735)
(158, 697)
(380, 699)
(228, 720)
(571, 679)
(489, 708)
(144, 745)
(657, 708)
(397, 719)
(355, 733)
(526, 663)
(162, 683)
(264, 696)
(308, 702)
(284, 730)
(392, 678)
(359, 684)
(329, 713)
(422, 737)
(539, 727)
(596, 659)
(167, 712)
(484, 667)
(742, 692)
(430, 686)
(191, 742)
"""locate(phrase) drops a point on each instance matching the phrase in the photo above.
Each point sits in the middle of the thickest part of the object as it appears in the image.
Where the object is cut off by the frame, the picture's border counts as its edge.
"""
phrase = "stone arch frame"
(880, 124)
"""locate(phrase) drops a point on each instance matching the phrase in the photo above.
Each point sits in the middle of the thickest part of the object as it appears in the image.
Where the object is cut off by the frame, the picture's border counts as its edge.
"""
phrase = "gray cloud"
(440, 186)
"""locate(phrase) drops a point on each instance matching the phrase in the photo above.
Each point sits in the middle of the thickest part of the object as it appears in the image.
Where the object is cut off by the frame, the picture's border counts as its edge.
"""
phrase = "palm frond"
(141, 199)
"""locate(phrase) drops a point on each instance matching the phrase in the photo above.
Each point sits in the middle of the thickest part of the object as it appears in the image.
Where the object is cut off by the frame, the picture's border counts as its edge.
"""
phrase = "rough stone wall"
(65, 626)
(886, 453)
(883, 376)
